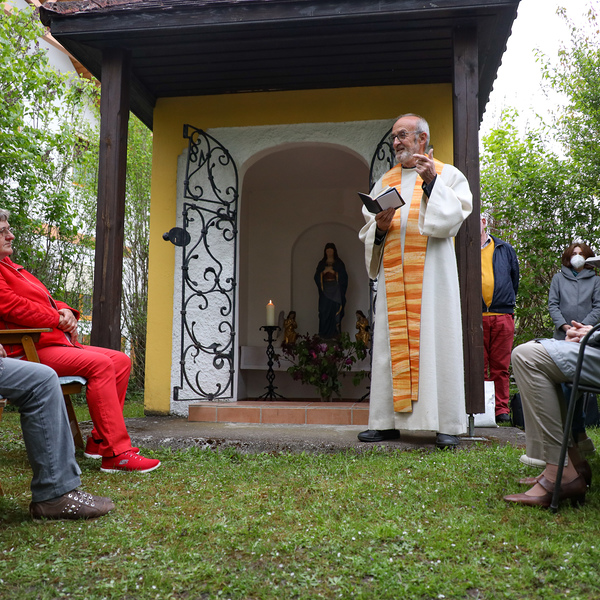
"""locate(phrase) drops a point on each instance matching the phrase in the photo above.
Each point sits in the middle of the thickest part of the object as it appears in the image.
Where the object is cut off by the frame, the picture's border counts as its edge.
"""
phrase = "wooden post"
(468, 246)
(114, 118)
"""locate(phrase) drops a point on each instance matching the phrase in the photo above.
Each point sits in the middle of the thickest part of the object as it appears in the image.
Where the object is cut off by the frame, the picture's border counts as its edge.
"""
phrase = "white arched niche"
(294, 199)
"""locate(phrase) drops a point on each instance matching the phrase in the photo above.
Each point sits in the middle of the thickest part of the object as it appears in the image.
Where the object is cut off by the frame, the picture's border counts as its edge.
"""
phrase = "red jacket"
(25, 302)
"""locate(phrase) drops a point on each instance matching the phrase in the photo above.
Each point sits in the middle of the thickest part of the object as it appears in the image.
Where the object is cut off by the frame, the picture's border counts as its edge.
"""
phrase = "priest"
(417, 377)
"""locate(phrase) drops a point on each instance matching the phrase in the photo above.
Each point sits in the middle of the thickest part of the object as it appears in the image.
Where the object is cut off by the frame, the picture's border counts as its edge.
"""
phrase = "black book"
(387, 198)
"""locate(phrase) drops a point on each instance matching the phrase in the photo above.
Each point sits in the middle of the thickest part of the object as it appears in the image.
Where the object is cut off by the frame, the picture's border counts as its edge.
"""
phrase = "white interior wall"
(294, 201)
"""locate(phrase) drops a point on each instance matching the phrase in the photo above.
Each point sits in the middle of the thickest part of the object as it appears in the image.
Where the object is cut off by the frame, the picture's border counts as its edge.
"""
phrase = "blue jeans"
(34, 389)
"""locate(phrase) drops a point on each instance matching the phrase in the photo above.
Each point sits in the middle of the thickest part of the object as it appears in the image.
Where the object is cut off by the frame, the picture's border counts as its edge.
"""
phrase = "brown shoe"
(529, 480)
(574, 490)
(583, 468)
(73, 505)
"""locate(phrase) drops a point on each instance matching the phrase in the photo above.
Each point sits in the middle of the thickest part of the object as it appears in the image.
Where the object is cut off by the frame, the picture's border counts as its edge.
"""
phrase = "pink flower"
(348, 361)
(324, 377)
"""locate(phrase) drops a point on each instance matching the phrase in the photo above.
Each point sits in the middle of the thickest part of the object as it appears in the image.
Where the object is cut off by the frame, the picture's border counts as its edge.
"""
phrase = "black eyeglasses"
(400, 136)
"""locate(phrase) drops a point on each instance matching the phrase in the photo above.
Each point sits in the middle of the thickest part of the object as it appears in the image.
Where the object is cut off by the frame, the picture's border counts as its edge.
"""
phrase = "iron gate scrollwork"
(209, 269)
(383, 159)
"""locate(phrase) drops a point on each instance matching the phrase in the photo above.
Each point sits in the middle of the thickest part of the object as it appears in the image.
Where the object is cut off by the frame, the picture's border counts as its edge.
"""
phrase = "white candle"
(270, 314)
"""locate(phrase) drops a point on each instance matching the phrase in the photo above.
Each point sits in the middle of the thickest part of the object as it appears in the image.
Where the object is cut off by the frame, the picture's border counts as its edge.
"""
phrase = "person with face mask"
(574, 296)
(575, 291)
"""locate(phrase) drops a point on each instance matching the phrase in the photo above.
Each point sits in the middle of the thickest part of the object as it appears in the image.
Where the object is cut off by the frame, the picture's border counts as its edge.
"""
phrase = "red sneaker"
(92, 448)
(128, 461)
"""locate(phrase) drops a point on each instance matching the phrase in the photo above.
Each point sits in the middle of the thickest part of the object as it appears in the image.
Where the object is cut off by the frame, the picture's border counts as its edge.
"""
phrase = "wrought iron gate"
(383, 159)
(208, 238)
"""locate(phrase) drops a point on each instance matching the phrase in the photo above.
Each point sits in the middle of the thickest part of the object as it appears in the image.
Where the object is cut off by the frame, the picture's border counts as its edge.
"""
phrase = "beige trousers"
(544, 408)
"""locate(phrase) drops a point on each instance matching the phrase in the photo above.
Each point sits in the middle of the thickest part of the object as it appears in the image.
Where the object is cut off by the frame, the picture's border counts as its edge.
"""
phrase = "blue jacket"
(506, 278)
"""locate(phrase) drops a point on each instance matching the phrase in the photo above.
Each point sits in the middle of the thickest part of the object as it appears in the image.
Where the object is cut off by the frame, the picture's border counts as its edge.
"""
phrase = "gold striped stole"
(404, 287)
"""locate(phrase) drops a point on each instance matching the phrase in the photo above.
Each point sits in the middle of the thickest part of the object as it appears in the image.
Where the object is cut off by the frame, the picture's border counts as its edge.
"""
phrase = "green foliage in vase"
(323, 362)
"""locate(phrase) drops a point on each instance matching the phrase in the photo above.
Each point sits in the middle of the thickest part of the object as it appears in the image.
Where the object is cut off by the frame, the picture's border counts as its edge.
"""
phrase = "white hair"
(422, 124)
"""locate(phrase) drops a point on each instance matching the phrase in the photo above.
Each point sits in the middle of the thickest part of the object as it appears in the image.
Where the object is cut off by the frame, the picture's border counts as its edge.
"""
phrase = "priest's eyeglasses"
(400, 136)
(5, 231)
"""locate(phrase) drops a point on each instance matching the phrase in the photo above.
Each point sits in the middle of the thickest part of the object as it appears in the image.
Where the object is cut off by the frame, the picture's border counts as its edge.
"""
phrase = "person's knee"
(517, 355)
(125, 360)
(39, 373)
(122, 362)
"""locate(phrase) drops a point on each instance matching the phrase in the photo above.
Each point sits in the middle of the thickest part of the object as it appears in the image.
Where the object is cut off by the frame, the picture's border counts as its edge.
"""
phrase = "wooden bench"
(69, 385)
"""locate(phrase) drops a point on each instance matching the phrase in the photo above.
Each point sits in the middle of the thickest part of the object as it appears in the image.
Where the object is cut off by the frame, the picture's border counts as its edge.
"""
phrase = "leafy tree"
(43, 138)
(137, 235)
(523, 188)
(49, 142)
(577, 124)
(541, 195)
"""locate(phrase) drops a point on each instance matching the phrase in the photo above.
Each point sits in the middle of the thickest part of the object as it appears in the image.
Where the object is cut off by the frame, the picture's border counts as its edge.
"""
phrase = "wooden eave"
(194, 48)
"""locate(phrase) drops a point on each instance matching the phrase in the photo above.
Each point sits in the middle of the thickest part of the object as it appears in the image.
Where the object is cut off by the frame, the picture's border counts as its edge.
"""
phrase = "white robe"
(441, 403)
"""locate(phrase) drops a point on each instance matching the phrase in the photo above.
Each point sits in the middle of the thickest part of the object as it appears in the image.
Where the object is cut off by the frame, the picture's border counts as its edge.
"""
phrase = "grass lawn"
(402, 525)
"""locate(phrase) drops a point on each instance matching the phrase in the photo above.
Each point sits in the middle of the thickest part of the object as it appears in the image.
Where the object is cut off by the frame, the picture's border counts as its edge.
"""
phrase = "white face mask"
(577, 261)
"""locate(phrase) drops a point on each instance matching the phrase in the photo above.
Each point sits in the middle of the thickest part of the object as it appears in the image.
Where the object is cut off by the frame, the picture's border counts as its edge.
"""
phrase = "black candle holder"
(270, 394)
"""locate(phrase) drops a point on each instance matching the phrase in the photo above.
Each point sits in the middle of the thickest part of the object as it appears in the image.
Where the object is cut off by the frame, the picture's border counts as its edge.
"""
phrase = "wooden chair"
(70, 385)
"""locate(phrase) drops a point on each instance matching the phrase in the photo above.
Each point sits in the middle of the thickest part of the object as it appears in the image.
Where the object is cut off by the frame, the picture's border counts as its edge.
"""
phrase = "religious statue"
(289, 328)
(362, 324)
(332, 282)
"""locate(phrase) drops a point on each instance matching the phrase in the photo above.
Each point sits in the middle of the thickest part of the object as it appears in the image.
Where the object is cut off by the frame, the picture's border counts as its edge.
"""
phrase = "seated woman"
(540, 367)
(25, 302)
(575, 296)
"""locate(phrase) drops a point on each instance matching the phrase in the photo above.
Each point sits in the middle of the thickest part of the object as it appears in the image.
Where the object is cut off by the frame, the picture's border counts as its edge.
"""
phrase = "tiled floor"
(290, 412)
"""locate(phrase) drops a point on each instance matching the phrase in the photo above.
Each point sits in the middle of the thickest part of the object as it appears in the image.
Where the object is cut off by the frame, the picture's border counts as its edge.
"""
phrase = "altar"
(253, 369)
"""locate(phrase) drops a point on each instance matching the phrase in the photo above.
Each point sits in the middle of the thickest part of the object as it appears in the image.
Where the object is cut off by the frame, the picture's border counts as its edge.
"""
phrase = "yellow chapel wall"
(434, 102)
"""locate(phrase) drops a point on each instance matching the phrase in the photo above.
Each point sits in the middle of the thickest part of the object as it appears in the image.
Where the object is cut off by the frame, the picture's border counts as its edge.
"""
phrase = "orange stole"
(404, 288)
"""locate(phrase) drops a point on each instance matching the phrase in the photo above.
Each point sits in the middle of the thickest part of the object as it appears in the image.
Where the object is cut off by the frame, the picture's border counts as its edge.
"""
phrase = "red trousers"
(498, 336)
(107, 373)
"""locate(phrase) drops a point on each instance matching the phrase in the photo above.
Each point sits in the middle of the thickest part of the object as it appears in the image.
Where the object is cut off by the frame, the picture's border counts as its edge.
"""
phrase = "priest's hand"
(384, 219)
(425, 166)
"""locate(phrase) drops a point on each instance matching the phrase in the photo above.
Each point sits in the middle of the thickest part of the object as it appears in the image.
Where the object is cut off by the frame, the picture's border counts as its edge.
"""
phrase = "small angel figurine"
(289, 328)
(362, 324)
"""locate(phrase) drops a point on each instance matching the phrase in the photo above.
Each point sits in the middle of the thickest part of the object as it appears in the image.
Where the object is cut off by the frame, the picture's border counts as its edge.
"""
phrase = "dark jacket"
(506, 278)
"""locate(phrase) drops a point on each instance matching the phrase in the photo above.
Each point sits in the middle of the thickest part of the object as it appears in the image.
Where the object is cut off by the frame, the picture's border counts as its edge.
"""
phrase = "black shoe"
(378, 435)
(503, 418)
(443, 440)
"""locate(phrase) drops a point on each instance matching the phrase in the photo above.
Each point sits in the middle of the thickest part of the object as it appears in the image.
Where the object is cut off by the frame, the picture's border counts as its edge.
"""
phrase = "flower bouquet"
(322, 363)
